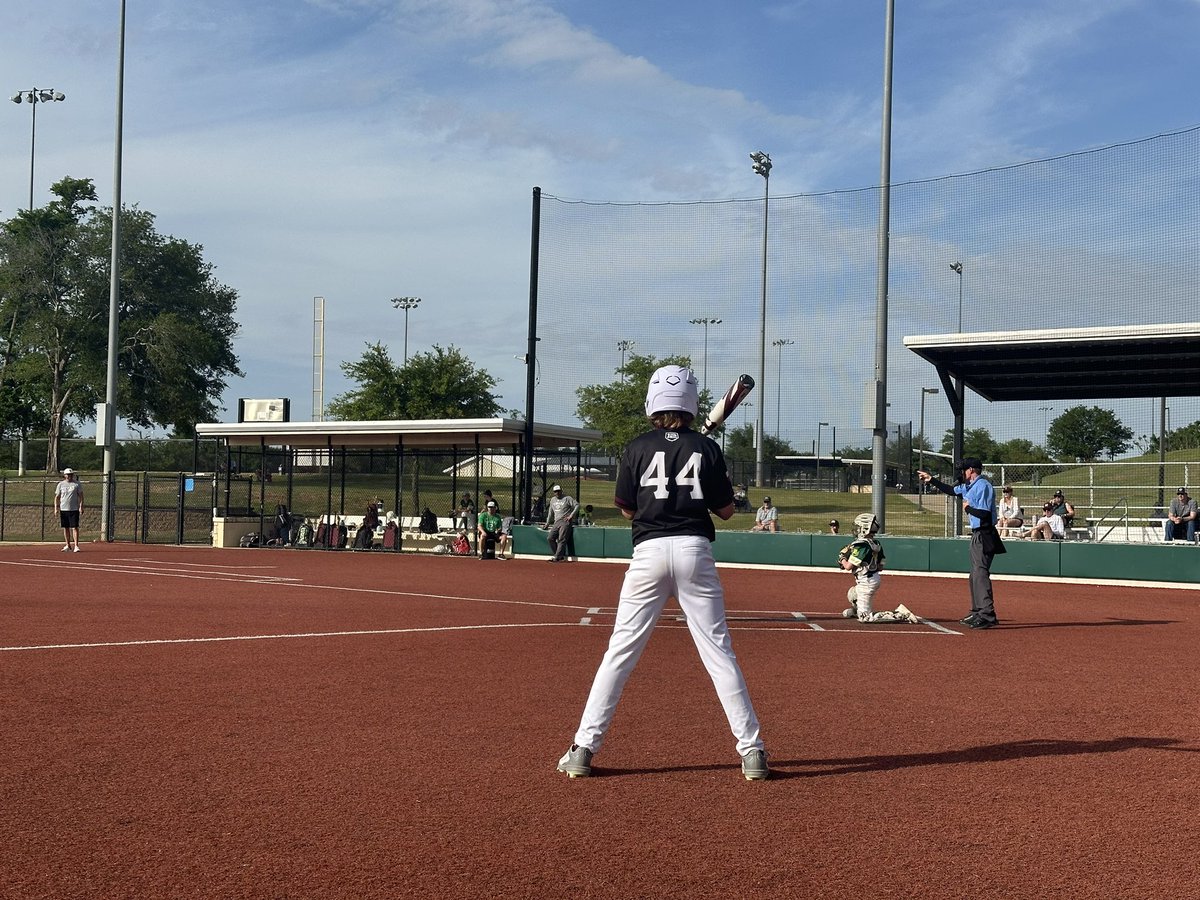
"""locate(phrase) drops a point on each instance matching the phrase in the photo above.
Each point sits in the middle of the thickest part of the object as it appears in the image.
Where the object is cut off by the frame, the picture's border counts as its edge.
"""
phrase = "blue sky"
(363, 149)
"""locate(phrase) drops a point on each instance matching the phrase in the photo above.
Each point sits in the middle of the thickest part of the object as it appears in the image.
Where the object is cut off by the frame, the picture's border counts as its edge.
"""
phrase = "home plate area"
(775, 620)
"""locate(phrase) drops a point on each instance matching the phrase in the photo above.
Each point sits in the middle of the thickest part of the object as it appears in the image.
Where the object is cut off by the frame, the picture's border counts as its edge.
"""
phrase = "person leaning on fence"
(560, 519)
(1181, 517)
(1050, 527)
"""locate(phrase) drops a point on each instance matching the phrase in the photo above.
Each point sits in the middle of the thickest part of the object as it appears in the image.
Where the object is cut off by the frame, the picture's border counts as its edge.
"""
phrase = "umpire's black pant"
(981, 580)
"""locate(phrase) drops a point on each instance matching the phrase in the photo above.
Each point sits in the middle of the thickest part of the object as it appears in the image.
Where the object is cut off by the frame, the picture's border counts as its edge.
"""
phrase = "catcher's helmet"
(865, 524)
(672, 388)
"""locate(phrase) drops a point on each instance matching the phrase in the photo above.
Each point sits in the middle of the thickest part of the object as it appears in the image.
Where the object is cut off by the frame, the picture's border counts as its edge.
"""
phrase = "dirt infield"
(190, 722)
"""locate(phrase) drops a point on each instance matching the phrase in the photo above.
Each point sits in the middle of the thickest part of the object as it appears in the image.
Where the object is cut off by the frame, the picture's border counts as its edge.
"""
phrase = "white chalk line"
(283, 637)
(120, 568)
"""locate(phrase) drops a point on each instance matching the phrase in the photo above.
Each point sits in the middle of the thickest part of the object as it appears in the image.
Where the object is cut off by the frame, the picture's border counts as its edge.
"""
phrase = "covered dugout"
(336, 469)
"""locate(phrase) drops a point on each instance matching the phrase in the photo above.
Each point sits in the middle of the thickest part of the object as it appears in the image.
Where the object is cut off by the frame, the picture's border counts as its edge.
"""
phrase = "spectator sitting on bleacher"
(1181, 518)
(1050, 526)
(741, 501)
(1063, 508)
(1010, 516)
(429, 523)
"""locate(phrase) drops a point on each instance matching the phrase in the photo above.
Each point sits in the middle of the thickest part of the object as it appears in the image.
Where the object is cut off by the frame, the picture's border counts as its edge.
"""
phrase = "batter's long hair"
(672, 419)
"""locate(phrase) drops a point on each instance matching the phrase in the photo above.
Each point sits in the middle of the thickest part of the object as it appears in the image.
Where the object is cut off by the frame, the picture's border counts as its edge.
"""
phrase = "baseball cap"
(972, 462)
(766, 499)
(491, 503)
(1058, 493)
(557, 487)
(833, 521)
(1180, 491)
(72, 472)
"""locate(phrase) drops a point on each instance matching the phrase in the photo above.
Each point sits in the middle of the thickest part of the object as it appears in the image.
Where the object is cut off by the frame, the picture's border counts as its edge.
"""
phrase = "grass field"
(1124, 488)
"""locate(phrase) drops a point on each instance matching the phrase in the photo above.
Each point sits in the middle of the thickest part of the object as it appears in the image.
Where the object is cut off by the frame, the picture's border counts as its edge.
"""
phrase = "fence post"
(180, 507)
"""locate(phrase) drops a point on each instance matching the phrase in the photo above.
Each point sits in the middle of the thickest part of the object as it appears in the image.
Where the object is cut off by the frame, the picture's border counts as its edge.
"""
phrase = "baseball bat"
(732, 399)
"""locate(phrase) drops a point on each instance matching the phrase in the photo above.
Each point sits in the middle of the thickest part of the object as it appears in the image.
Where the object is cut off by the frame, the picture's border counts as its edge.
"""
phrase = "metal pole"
(114, 296)
(762, 338)
(817, 454)
(531, 355)
(879, 435)
(32, 141)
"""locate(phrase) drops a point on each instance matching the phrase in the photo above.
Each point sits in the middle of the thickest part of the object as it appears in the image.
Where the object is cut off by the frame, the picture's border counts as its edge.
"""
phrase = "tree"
(1021, 450)
(1082, 433)
(1185, 438)
(977, 442)
(739, 446)
(440, 384)
(176, 322)
(619, 409)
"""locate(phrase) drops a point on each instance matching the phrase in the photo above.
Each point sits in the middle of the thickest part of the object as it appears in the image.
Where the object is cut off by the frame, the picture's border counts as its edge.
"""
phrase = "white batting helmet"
(672, 388)
(865, 524)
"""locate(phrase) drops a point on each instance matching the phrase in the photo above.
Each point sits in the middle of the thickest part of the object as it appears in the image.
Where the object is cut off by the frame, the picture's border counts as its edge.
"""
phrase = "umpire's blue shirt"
(980, 495)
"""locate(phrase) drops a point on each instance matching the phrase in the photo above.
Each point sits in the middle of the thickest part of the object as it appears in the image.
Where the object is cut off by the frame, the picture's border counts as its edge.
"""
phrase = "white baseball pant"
(861, 597)
(663, 567)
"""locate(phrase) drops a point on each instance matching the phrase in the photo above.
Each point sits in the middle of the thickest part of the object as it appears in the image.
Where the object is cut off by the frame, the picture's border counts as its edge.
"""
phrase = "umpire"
(979, 503)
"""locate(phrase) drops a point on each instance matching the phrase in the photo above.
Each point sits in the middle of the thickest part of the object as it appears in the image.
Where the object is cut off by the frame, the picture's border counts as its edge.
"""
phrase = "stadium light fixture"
(705, 321)
(405, 303)
(624, 347)
(957, 267)
(762, 166)
(33, 97)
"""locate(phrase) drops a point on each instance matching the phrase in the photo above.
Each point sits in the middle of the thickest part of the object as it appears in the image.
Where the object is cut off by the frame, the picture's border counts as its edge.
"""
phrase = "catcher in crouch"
(863, 558)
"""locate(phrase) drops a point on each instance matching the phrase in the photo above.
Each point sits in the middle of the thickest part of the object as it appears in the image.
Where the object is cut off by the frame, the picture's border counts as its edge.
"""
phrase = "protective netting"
(1101, 237)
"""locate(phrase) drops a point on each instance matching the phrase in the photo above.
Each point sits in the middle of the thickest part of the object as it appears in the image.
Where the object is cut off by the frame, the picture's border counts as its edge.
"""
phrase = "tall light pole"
(921, 451)
(957, 267)
(405, 303)
(624, 347)
(108, 412)
(33, 97)
(780, 343)
(705, 321)
(820, 425)
(762, 166)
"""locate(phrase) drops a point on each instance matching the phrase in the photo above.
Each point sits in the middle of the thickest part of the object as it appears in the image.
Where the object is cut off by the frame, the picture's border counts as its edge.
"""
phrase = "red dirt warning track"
(189, 722)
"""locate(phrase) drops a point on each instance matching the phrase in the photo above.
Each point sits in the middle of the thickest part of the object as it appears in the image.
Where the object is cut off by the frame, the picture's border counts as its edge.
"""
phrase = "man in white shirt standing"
(68, 500)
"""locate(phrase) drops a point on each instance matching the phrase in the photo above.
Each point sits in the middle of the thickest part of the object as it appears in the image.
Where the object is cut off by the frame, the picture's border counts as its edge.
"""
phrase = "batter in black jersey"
(670, 480)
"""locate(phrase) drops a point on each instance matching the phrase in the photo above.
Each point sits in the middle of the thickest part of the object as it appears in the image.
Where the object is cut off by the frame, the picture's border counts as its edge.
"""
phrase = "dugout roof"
(413, 432)
(1070, 363)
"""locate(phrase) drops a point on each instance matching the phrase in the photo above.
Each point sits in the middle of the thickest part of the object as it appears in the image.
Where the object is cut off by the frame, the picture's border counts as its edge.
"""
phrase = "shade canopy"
(412, 432)
(1070, 363)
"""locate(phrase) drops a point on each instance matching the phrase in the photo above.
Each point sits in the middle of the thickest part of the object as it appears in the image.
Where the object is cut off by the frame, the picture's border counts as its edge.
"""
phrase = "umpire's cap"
(972, 462)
